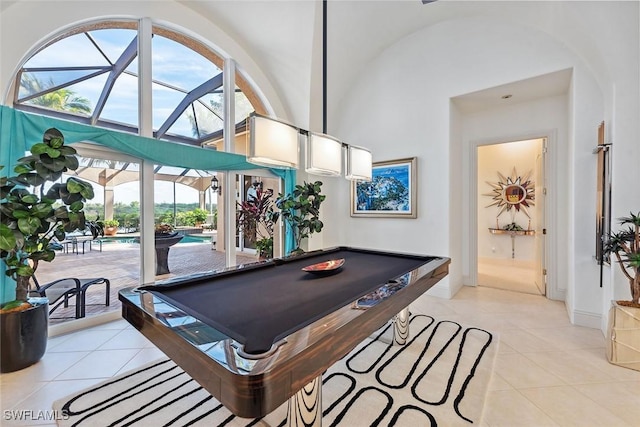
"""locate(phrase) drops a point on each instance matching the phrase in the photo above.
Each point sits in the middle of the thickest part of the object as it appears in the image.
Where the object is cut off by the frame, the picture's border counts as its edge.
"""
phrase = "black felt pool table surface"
(259, 306)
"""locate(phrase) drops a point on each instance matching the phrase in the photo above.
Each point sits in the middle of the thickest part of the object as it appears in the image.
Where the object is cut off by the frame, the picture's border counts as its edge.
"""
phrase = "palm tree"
(625, 245)
(202, 125)
(63, 99)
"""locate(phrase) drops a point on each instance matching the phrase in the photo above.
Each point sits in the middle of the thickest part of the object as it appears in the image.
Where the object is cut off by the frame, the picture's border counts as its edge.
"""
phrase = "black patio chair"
(60, 291)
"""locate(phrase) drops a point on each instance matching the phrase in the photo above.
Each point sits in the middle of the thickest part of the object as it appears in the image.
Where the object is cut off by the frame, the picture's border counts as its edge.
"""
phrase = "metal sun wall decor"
(513, 192)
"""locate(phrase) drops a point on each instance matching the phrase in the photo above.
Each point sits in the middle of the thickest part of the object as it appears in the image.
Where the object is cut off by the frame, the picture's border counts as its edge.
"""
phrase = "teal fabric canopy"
(19, 131)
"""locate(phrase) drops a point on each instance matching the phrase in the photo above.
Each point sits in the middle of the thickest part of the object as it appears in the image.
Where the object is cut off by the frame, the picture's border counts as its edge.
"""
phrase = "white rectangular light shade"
(323, 155)
(359, 164)
(272, 143)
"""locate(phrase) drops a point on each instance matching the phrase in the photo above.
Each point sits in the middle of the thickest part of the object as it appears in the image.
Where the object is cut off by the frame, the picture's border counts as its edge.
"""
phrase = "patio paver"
(120, 263)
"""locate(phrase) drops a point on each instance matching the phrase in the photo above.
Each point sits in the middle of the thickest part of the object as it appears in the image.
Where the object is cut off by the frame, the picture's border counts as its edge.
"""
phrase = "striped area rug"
(440, 377)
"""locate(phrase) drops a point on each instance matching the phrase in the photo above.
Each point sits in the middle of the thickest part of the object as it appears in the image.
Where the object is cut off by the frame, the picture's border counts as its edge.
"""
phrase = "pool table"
(256, 335)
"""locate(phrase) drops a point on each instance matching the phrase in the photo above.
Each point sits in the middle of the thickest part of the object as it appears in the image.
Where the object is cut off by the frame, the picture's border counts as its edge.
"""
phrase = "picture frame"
(392, 191)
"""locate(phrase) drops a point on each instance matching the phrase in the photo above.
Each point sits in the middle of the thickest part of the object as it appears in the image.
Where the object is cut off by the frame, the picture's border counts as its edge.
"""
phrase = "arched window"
(90, 75)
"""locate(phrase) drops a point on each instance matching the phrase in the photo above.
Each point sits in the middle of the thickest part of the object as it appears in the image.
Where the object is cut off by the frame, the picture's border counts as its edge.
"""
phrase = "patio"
(120, 263)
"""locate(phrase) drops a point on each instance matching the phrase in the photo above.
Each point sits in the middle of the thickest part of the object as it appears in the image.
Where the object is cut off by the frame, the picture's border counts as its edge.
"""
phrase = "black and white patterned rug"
(440, 377)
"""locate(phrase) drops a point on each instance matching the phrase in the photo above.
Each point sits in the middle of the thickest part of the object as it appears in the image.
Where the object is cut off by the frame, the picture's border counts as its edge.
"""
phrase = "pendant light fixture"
(359, 164)
(272, 142)
(275, 143)
(323, 155)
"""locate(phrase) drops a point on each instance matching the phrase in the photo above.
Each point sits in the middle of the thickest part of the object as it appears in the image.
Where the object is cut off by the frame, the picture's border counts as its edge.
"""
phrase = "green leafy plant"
(163, 228)
(625, 246)
(300, 210)
(29, 220)
(111, 223)
(513, 227)
(192, 217)
(265, 247)
(199, 215)
(257, 218)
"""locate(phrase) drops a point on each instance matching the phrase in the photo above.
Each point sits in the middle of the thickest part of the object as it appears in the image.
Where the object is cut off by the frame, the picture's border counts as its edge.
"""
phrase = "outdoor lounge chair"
(60, 291)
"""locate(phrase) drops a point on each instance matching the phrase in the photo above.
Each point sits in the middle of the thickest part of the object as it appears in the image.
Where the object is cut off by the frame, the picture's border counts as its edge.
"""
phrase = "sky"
(173, 64)
(178, 66)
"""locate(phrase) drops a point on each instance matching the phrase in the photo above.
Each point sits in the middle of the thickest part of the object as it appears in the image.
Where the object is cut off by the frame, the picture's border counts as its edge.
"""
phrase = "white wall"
(399, 107)
(584, 294)
(457, 251)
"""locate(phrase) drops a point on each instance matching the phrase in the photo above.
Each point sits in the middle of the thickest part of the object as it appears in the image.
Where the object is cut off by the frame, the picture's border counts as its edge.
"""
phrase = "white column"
(228, 183)
(108, 202)
(202, 199)
(147, 241)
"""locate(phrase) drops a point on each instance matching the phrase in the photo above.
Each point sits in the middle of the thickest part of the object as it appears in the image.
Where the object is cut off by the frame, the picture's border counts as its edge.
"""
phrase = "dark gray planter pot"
(23, 337)
(163, 243)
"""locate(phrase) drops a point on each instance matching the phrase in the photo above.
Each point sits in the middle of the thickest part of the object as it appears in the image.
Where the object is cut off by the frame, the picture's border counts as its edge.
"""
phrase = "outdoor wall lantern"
(215, 186)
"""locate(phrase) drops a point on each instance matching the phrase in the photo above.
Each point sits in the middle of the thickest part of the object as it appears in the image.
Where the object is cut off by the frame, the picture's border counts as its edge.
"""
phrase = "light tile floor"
(547, 372)
(509, 274)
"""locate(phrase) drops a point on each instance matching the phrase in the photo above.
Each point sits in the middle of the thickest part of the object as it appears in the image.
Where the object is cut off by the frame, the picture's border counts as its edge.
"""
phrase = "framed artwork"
(391, 192)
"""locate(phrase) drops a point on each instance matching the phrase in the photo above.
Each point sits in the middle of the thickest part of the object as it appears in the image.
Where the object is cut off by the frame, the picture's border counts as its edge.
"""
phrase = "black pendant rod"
(324, 66)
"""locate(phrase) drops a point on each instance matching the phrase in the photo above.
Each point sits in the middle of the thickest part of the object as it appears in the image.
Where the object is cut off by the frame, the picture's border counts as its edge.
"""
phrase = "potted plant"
(257, 218)
(29, 221)
(165, 238)
(264, 247)
(110, 227)
(300, 210)
(513, 227)
(199, 216)
(624, 316)
(163, 229)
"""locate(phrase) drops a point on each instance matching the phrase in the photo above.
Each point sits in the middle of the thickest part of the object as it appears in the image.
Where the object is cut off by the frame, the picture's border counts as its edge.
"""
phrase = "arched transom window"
(90, 75)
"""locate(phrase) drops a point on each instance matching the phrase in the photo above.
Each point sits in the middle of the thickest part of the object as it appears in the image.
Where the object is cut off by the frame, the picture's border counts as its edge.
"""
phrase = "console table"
(513, 234)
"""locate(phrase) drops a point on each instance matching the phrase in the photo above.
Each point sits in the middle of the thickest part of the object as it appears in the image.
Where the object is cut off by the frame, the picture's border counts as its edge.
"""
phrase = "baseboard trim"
(587, 319)
(87, 322)
(557, 294)
(444, 290)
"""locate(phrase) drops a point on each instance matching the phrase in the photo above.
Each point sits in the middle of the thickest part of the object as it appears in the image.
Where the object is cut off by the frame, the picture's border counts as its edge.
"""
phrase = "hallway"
(508, 274)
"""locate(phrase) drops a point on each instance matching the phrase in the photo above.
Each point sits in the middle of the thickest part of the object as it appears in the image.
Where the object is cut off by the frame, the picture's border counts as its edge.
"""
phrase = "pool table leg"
(401, 327)
(305, 407)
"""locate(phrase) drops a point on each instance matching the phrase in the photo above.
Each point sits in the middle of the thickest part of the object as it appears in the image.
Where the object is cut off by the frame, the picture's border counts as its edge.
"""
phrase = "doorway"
(247, 187)
(511, 216)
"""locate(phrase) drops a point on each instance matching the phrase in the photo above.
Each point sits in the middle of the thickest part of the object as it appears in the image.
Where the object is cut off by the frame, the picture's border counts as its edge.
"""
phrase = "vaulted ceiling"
(285, 37)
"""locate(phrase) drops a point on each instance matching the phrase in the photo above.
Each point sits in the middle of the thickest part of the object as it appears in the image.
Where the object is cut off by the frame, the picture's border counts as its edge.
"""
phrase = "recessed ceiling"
(544, 86)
